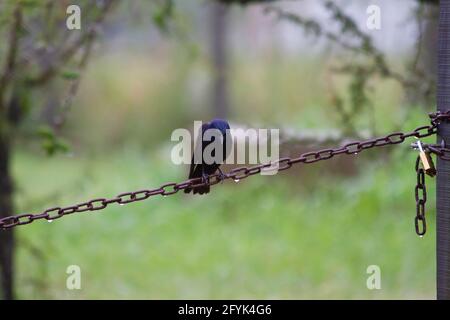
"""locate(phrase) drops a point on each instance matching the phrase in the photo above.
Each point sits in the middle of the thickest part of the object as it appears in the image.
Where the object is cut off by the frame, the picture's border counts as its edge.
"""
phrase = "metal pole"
(443, 167)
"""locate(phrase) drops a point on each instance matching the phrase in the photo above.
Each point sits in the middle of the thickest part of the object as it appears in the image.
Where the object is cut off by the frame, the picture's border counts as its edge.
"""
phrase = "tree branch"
(66, 54)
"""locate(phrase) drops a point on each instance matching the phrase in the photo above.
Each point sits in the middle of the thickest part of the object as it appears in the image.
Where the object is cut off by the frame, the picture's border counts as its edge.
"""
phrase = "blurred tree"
(424, 62)
(365, 61)
(39, 49)
(220, 97)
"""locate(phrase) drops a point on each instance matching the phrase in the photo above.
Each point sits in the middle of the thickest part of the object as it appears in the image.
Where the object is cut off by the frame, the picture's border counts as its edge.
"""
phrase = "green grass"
(295, 235)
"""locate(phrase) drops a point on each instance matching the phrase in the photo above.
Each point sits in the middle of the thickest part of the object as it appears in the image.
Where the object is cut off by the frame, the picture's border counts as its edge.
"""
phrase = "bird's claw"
(221, 176)
(205, 178)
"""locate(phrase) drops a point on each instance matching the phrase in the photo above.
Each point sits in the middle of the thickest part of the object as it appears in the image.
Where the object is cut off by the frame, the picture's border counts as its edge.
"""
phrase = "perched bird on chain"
(205, 169)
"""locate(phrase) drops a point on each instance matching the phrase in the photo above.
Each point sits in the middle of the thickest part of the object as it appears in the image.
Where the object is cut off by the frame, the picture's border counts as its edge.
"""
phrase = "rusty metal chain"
(244, 172)
(421, 199)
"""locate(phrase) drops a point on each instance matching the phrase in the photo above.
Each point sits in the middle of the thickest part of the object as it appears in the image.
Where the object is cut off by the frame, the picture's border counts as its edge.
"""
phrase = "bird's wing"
(227, 143)
(193, 171)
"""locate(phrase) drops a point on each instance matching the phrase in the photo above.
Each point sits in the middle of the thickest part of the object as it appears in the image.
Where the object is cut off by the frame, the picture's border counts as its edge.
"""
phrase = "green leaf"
(162, 14)
(70, 75)
(45, 132)
(50, 143)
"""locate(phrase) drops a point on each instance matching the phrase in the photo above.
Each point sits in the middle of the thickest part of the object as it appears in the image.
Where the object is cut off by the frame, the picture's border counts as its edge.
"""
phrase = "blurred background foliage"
(102, 126)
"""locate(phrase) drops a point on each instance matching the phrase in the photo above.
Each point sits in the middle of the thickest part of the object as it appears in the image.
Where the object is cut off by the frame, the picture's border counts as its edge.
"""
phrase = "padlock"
(427, 161)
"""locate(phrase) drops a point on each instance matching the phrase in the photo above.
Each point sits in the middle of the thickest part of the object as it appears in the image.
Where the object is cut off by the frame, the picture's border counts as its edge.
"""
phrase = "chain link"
(420, 193)
(244, 172)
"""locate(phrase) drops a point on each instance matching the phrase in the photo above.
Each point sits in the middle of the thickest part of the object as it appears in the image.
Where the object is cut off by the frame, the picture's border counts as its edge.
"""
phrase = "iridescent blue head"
(220, 124)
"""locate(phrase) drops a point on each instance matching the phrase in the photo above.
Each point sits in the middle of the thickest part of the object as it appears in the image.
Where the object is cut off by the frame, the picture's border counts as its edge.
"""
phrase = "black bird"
(204, 169)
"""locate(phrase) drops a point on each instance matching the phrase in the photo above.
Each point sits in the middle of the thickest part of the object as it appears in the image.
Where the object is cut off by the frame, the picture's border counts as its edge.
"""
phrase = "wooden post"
(443, 167)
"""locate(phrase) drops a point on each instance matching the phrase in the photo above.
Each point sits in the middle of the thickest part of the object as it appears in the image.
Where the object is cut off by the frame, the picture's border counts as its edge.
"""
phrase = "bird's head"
(219, 124)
